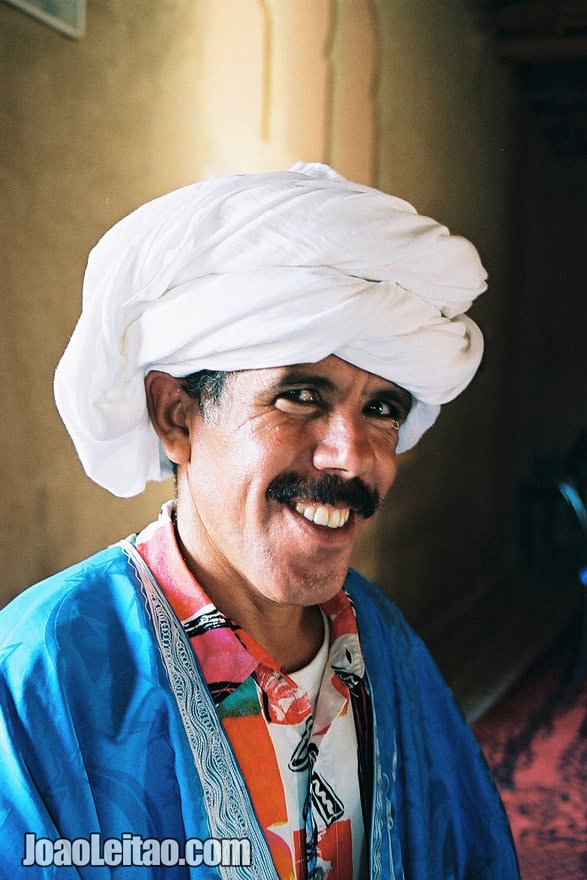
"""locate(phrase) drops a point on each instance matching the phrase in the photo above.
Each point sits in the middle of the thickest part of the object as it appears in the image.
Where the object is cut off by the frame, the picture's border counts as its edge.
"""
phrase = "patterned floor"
(535, 741)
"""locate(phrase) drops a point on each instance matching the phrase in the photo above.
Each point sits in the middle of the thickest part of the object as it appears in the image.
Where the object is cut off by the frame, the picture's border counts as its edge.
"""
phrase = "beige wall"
(405, 95)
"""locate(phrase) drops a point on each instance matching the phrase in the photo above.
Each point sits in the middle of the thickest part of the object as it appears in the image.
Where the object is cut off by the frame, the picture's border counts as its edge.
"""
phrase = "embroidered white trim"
(228, 806)
(381, 819)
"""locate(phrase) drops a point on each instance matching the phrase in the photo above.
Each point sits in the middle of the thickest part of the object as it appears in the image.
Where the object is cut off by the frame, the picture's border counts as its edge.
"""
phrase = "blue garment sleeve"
(440, 814)
(91, 741)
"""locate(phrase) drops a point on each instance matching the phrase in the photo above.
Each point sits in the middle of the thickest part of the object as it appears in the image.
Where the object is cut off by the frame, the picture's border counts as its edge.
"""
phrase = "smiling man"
(220, 695)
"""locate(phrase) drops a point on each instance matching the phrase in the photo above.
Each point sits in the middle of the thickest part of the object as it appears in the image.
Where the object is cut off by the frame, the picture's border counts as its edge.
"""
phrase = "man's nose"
(343, 446)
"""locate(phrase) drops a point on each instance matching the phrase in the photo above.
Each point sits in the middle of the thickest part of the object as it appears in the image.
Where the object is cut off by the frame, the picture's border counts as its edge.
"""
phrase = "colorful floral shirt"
(301, 740)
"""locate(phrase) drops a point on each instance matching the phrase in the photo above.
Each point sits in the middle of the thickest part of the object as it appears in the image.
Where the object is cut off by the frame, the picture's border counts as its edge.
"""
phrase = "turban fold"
(263, 270)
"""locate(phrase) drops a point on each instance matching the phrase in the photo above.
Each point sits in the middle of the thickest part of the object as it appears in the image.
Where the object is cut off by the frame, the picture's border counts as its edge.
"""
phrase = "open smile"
(327, 500)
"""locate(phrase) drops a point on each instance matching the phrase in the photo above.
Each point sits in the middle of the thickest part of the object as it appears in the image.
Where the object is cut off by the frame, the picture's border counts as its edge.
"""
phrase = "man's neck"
(292, 635)
(291, 646)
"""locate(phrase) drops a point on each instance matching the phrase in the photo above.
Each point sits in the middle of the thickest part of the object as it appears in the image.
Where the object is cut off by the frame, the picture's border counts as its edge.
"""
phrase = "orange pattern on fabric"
(250, 738)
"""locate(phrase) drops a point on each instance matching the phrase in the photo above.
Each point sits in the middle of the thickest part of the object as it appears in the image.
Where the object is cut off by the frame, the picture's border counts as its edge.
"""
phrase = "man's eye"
(383, 409)
(295, 398)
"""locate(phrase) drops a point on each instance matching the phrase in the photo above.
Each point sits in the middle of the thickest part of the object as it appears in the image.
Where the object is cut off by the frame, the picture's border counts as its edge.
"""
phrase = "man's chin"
(305, 588)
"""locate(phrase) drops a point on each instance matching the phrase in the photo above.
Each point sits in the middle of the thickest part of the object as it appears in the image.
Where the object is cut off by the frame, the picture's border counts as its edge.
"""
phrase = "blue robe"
(106, 728)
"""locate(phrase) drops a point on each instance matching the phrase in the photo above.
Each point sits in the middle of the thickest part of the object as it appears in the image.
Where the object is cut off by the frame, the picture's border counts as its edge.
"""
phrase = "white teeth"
(308, 512)
(321, 516)
(333, 518)
(343, 518)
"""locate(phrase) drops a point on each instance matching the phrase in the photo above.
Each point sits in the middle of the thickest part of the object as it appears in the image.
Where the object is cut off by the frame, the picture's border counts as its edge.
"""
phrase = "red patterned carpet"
(535, 741)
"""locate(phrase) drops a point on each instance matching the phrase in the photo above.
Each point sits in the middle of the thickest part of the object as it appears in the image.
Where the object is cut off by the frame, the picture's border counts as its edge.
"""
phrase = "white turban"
(263, 270)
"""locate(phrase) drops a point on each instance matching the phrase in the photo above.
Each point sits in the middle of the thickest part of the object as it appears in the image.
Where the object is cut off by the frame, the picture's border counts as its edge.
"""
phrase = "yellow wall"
(405, 95)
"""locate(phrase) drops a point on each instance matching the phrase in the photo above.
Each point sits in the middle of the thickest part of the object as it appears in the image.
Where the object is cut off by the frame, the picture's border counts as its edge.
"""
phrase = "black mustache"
(328, 489)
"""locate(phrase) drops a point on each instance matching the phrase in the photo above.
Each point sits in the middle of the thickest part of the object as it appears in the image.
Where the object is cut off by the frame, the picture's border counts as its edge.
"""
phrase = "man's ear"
(170, 407)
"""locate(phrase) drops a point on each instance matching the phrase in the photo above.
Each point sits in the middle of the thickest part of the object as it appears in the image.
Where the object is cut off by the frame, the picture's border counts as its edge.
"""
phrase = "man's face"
(268, 501)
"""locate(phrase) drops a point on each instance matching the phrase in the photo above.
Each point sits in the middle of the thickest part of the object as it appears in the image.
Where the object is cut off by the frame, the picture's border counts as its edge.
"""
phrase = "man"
(220, 695)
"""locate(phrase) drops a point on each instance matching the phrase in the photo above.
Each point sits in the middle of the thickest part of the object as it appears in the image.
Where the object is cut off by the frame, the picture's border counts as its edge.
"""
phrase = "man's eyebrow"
(304, 377)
